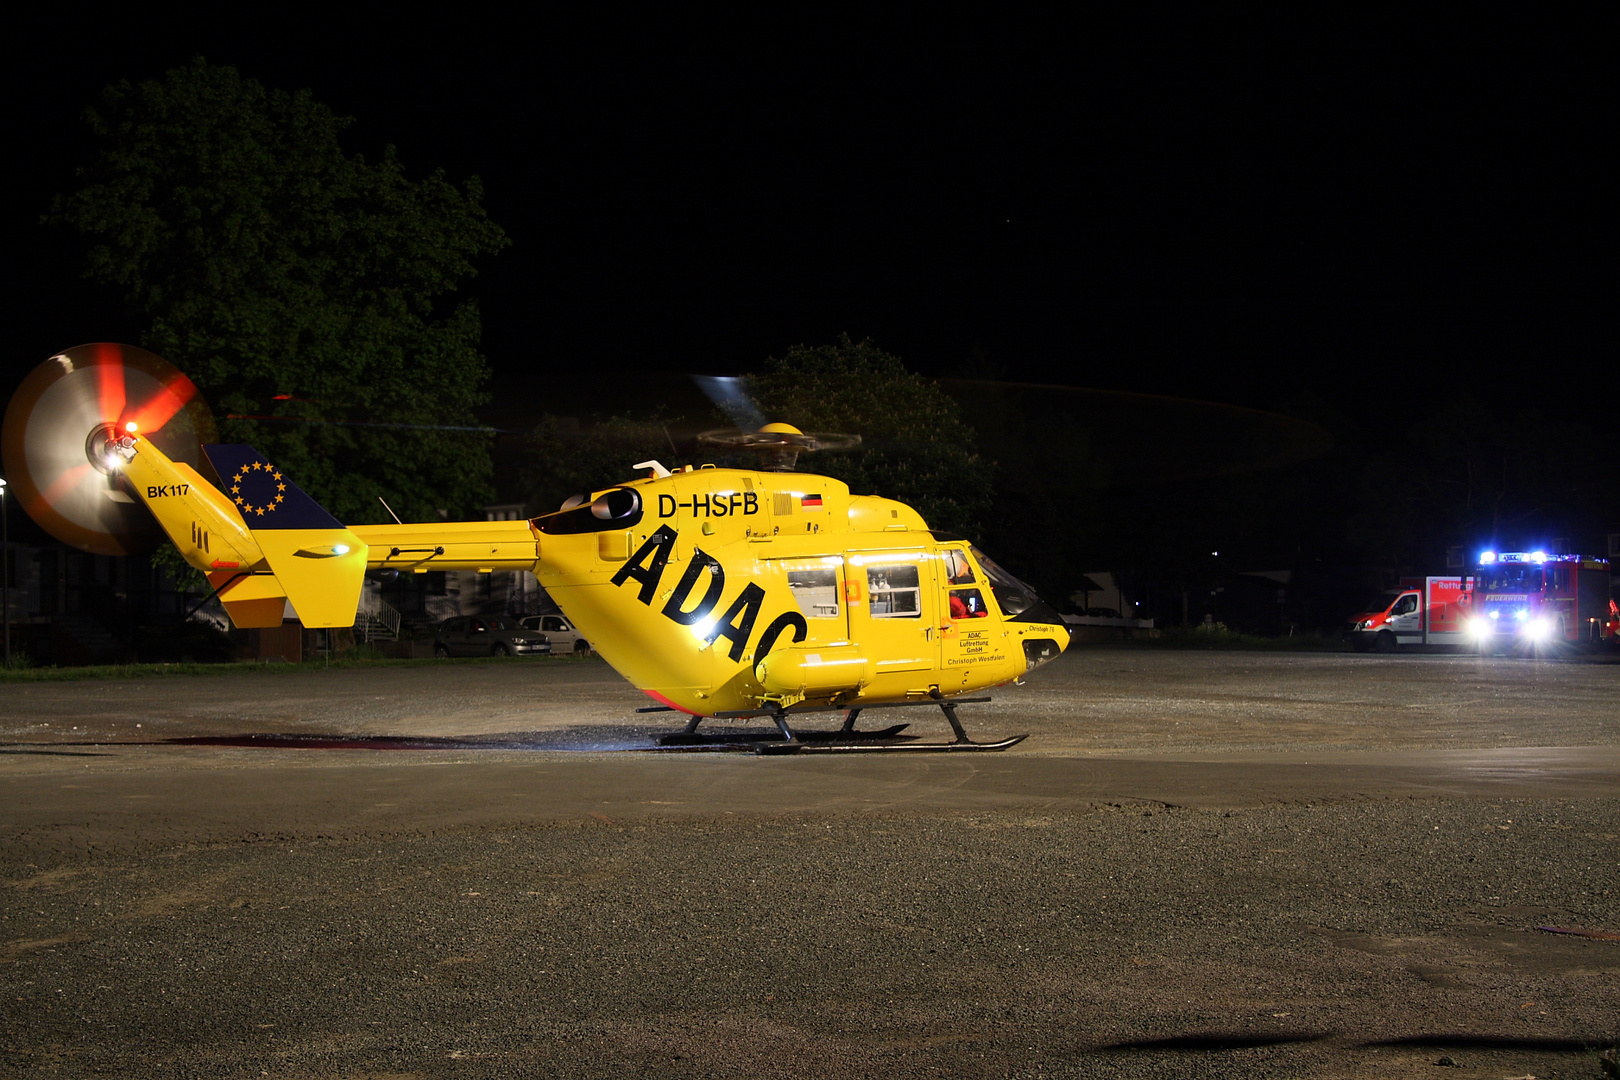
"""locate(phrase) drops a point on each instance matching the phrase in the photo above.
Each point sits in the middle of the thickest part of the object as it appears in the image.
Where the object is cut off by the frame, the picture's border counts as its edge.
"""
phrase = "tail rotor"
(60, 435)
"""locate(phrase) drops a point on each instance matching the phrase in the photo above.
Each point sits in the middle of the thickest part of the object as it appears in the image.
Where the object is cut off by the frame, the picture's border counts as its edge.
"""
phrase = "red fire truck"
(1433, 612)
(1533, 597)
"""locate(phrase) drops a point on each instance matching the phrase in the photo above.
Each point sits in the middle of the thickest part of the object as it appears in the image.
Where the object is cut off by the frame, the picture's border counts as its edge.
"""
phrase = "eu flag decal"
(263, 495)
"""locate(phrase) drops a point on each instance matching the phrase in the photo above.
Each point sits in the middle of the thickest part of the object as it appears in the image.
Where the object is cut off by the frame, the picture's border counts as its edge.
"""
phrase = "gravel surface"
(1200, 864)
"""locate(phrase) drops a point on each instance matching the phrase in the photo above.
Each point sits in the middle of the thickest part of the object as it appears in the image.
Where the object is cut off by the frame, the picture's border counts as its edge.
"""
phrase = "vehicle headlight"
(1522, 614)
(1539, 630)
(1479, 628)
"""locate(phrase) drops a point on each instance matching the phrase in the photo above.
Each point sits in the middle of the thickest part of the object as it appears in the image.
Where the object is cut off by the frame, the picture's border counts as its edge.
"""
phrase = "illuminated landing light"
(340, 549)
(1486, 558)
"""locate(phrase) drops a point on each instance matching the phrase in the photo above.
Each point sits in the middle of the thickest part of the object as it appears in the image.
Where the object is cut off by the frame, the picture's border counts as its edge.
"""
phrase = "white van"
(560, 633)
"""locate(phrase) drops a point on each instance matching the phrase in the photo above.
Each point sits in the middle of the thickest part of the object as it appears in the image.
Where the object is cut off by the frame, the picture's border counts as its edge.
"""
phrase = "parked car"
(486, 635)
(559, 632)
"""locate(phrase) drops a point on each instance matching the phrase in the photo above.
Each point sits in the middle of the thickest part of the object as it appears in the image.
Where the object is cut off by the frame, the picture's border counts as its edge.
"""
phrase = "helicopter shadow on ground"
(584, 738)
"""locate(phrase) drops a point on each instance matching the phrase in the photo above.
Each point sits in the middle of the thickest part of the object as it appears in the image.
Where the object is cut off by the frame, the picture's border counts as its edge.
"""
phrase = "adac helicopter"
(719, 592)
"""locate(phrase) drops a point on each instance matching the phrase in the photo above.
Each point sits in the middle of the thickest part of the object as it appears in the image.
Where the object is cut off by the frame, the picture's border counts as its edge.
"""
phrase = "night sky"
(1230, 211)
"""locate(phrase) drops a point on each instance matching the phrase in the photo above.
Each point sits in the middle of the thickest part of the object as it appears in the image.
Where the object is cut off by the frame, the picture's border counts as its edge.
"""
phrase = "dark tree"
(293, 280)
(916, 446)
(565, 457)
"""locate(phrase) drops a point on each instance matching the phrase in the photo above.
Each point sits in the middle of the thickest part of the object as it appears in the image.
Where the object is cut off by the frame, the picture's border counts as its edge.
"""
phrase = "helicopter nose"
(1046, 645)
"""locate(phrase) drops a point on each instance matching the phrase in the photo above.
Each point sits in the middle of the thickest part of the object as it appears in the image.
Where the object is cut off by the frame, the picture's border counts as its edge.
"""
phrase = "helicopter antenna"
(390, 510)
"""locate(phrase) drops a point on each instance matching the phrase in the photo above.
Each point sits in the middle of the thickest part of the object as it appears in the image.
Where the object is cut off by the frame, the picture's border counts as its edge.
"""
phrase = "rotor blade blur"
(47, 434)
(731, 397)
(108, 361)
(159, 408)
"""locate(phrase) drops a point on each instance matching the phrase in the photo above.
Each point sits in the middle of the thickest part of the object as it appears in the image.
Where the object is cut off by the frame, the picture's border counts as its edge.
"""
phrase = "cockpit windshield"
(1016, 600)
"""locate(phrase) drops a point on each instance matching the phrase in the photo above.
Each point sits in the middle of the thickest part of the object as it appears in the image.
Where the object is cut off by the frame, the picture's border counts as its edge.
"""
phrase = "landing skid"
(846, 740)
(894, 748)
(805, 739)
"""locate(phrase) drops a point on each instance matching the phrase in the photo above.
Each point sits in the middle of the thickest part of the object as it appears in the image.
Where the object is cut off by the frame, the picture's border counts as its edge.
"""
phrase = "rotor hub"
(107, 448)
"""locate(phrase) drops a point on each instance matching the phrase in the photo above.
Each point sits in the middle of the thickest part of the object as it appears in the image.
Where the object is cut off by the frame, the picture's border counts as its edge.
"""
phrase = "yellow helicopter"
(720, 593)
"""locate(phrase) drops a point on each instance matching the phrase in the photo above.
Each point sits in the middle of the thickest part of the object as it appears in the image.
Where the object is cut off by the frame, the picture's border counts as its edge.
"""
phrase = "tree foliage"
(566, 457)
(292, 280)
(916, 446)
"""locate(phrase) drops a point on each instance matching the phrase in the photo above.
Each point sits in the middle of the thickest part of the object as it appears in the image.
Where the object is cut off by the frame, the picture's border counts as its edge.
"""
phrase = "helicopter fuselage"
(733, 587)
(712, 590)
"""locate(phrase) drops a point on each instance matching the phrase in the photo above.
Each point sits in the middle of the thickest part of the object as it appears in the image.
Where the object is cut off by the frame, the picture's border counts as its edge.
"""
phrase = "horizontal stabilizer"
(321, 570)
(318, 563)
(251, 600)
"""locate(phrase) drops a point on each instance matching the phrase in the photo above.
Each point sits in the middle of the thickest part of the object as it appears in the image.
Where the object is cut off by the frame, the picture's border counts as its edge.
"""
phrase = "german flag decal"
(810, 502)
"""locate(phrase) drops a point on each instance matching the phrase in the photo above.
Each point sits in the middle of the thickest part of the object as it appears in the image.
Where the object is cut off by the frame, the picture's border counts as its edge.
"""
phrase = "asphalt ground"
(1199, 864)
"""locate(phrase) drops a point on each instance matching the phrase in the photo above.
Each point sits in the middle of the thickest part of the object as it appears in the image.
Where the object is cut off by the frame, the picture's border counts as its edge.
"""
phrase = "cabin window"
(968, 604)
(957, 569)
(1405, 605)
(895, 591)
(816, 592)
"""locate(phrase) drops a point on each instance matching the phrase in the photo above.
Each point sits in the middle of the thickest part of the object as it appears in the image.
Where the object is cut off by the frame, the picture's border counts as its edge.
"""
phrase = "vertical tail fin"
(262, 525)
(320, 564)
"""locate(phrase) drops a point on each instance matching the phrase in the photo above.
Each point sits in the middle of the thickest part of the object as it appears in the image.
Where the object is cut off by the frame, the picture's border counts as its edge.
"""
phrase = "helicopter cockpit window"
(619, 508)
(958, 571)
(968, 604)
(1017, 601)
(895, 592)
(1013, 595)
(816, 592)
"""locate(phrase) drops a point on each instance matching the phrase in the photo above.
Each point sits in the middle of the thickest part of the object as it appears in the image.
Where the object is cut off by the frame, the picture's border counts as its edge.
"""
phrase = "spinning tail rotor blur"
(61, 422)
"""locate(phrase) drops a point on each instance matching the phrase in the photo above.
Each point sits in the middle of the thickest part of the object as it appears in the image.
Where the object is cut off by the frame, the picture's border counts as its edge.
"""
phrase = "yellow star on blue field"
(247, 501)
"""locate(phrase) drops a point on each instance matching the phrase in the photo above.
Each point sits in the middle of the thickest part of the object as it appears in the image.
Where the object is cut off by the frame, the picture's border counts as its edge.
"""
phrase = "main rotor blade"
(730, 397)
